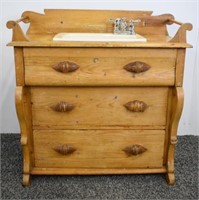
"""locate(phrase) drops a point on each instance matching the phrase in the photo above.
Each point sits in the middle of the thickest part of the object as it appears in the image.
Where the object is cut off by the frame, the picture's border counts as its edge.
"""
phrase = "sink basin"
(98, 37)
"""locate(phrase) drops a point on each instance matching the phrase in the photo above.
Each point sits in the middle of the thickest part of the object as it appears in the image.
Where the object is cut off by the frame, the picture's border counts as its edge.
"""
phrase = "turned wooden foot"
(26, 179)
(170, 177)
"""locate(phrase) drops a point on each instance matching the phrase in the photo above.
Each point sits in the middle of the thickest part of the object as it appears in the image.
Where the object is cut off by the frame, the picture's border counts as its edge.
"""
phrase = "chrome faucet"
(122, 27)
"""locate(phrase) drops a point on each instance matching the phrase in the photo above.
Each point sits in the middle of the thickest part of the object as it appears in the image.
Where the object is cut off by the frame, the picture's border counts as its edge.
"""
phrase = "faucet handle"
(123, 25)
(116, 22)
(131, 25)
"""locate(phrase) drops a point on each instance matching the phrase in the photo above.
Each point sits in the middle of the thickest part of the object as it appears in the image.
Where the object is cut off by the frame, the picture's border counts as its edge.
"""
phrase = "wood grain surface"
(98, 107)
(101, 66)
(98, 149)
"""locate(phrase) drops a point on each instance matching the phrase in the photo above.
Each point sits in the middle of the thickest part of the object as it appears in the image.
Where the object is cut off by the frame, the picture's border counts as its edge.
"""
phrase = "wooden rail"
(11, 24)
(176, 22)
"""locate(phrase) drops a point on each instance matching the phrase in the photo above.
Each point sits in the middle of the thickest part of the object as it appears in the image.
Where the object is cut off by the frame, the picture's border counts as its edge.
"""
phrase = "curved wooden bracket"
(18, 34)
(178, 99)
(11, 24)
(22, 100)
(177, 110)
(180, 36)
(19, 100)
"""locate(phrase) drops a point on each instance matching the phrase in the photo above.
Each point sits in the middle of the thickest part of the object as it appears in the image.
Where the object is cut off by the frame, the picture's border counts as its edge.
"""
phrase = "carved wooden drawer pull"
(136, 106)
(65, 67)
(62, 107)
(134, 149)
(137, 67)
(65, 149)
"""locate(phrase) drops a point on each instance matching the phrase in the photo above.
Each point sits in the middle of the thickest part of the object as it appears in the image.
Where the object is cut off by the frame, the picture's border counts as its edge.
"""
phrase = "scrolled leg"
(22, 105)
(178, 98)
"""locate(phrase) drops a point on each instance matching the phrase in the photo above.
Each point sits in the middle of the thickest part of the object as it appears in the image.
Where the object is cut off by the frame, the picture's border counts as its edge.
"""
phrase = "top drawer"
(99, 66)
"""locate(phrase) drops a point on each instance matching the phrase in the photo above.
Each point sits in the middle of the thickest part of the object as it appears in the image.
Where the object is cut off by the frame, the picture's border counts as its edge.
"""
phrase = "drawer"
(99, 149)
(99, 66)
(99, 107)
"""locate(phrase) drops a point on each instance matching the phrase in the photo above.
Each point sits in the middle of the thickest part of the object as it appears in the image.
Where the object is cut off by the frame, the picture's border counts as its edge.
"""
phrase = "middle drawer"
(99, 107)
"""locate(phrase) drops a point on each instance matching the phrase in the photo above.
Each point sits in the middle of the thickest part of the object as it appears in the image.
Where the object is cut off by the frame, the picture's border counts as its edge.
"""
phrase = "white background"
(184, 11)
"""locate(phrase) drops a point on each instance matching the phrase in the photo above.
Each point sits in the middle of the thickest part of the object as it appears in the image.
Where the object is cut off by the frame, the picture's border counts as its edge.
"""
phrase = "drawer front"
(99, 66)
(99, 149)
(88, 107)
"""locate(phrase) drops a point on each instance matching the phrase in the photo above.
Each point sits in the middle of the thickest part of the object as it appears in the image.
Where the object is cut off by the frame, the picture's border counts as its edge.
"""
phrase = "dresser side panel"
(19, 66)
(180, 61)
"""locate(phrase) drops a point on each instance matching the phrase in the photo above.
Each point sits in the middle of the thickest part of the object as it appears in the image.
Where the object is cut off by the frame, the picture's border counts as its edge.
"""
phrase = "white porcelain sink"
(98, 37)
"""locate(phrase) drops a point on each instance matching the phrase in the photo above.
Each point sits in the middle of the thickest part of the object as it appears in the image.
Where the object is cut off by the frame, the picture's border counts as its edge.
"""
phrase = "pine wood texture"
(18, 34)
(24, 116)
(56, 21)
(157, 20)
(81, 171)
(177, 106)
(104, 105)
(155, 41)
(19, 66)
(97, 149)
(98, 107)
(101, 66)
(180, 67)
(181, 33)
(83, 21)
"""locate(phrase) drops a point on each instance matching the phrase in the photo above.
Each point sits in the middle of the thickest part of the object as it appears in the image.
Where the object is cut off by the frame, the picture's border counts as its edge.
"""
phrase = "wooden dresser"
(98, 107)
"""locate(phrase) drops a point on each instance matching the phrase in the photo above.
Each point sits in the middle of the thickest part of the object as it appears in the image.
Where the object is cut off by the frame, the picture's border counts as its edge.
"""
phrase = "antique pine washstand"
(98, 104)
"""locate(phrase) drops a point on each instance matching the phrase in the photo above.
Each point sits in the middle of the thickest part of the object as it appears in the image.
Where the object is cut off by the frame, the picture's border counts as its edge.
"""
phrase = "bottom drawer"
(99, 149)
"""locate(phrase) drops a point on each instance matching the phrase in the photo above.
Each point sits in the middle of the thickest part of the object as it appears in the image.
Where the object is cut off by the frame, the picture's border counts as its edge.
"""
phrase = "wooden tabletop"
(153, 41)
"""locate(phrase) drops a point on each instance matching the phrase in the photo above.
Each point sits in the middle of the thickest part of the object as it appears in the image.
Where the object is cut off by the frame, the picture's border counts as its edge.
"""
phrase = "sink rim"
(98, 37)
